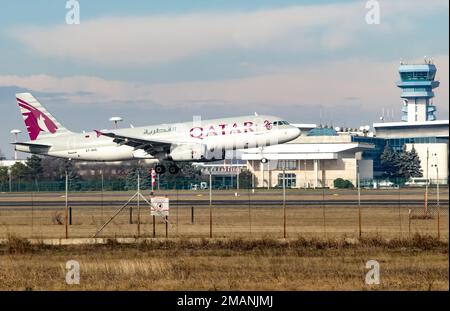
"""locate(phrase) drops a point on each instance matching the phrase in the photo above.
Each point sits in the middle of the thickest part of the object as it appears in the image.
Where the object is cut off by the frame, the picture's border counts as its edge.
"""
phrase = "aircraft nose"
(295, 132)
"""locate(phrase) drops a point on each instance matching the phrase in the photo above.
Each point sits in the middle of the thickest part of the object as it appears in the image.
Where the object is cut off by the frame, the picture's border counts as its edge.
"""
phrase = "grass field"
(419, 263)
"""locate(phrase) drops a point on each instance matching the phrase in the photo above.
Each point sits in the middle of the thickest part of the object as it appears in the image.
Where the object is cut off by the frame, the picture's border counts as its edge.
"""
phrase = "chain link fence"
(38, 210)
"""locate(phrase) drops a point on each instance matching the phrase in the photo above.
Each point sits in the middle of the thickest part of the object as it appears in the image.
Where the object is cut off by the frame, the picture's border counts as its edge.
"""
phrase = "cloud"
(154, 39)
(328, 84)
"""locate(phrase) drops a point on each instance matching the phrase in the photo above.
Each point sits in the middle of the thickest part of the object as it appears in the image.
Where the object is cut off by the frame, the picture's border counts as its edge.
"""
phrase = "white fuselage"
(216, 135)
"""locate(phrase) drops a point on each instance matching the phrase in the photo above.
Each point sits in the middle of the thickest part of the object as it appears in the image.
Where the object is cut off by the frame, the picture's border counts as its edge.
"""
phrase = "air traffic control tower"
(417, 84)
(419, 127)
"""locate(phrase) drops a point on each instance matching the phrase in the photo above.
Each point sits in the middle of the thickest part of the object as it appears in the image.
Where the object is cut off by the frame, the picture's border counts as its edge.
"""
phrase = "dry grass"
(419, 263)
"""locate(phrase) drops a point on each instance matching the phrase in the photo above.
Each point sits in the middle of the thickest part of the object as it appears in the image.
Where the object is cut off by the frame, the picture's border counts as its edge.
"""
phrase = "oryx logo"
(268, 124)
(35, 120)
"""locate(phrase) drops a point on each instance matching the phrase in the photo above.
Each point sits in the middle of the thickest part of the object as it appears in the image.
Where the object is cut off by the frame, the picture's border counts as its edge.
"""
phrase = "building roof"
(305, 151)
(411, 124)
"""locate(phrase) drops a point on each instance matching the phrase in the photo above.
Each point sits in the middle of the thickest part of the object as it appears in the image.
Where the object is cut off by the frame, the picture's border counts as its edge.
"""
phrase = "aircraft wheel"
(173, 169)
(160, 169)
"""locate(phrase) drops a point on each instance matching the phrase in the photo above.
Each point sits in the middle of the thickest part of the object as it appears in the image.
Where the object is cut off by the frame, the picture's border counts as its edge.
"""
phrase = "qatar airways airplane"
(195, 141)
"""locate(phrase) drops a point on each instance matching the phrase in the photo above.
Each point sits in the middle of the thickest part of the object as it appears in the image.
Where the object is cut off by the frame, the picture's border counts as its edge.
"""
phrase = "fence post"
(192, 215)
(210, 204)
(154, 227)
(167, 227)
(399, 211)
(70, 215)
(359, 202)
(67, 210)
(323, 213)
(409, 223)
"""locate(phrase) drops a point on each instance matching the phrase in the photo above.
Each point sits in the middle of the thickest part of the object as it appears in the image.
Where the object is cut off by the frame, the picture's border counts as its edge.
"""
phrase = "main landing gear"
(161, 169)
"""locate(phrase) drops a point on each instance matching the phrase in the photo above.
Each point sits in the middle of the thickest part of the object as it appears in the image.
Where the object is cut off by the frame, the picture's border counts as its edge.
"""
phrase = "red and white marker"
(153, 176)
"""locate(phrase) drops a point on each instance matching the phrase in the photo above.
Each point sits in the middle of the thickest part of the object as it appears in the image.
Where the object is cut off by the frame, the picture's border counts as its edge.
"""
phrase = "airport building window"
(289, 179)
(287, 165)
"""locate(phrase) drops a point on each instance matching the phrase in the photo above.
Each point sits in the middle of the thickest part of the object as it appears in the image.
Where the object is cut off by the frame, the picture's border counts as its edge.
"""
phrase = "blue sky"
(162, 61)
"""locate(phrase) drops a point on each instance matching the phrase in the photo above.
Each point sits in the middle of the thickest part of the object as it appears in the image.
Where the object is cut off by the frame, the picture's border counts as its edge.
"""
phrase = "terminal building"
(322, 154)
(314, 160)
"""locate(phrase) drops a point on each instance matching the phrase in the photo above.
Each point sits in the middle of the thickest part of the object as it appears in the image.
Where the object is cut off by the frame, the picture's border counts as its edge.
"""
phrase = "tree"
(390, 162)
(19, 170)
(410, 164)
(132, 178)
(245, 179)
(2, 156)
(342, 183)
(35, 168)
(66, 165)
(4, 178)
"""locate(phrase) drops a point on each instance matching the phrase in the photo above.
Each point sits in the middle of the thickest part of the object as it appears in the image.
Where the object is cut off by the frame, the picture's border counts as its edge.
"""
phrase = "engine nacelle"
(188, 152)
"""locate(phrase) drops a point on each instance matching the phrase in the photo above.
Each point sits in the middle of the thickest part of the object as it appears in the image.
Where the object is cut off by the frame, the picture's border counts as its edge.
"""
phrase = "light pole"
(359, 197)
(116, 120)
(16, 133)
(437, 196)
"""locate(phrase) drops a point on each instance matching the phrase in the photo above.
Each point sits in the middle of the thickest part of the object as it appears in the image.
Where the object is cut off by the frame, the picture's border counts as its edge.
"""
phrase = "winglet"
(98, 133)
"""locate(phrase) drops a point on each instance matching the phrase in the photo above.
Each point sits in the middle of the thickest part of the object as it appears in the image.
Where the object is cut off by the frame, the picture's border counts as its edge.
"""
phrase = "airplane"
(195, 141)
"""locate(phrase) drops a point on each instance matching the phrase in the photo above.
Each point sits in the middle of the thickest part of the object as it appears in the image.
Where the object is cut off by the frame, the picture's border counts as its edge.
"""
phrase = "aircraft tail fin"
(38, 121)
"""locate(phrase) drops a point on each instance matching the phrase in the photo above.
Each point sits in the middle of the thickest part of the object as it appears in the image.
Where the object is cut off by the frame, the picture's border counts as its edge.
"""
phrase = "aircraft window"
(275, 122)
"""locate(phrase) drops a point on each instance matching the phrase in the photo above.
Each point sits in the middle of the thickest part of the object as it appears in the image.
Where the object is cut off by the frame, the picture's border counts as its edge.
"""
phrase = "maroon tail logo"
(35, 120)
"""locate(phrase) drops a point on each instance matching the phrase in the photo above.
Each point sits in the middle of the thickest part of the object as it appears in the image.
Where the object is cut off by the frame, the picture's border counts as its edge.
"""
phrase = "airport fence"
(394, 211)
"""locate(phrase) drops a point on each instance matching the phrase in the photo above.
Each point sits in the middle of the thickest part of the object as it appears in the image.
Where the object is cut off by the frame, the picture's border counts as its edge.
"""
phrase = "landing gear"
(263, 159)
(160, 169)
(173, 169)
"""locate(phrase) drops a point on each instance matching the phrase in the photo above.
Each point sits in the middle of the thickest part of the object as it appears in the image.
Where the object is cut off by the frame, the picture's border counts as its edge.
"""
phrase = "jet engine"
(187, 152)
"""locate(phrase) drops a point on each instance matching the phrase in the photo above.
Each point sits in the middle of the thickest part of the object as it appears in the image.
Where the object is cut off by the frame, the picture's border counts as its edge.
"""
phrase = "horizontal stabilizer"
(32, 145)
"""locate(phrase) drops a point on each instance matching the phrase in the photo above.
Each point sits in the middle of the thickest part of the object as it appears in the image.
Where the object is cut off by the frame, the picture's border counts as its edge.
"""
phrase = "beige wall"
(328, 171)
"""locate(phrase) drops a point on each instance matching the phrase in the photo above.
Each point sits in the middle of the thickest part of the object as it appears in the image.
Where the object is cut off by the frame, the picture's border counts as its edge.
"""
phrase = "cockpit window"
(280, 123)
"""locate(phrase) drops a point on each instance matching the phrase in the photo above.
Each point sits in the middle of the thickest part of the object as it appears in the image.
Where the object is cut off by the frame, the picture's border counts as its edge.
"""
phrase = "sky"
(155, 62)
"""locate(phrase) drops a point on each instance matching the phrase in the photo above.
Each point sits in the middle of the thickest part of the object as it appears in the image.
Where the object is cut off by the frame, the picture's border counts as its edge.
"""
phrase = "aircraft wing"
(151, 146)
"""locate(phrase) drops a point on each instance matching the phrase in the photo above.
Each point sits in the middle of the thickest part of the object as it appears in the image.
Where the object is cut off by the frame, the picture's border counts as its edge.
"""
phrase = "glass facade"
(322, 131)
(398, 143)
(289, 178)
(372, 154)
